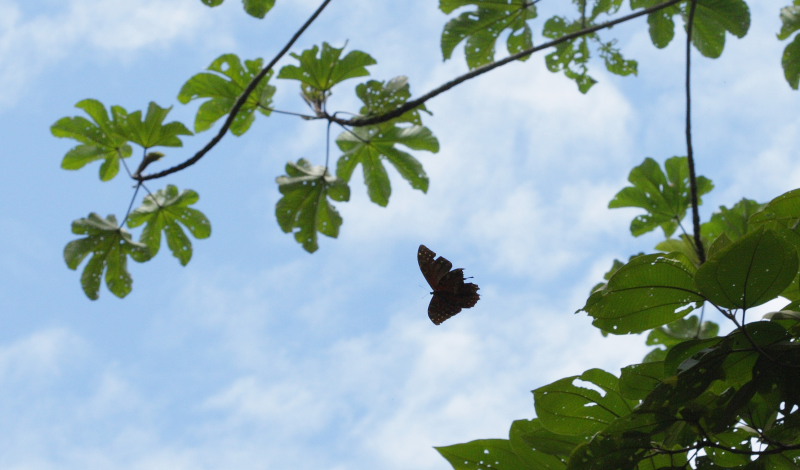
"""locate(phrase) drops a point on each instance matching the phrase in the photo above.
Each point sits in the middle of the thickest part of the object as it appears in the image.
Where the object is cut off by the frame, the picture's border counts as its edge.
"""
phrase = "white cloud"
(33, 44)
(39, 356)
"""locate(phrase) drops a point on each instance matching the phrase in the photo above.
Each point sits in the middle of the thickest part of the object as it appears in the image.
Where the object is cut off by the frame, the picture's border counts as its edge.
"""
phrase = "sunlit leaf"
(109, 246)
(165, 211)
(481, 28)
(222, 87)
(304, 207)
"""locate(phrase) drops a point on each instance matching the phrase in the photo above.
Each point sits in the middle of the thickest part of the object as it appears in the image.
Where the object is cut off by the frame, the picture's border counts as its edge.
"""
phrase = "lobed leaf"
(152, 131)
(222, 87)
(382, 97)
(321, 70)
(370, 145)
(110, 246)
(100, 140)
(481, 28)
(165, 211)
(665, 197)
(304, 207)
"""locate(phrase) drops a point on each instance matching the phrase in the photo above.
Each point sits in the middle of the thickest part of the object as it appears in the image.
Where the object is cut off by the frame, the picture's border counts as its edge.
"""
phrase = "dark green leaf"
(222, 87)
(749, 272)
(713, 18)
(477, 455)
(110, 245)
(791, 62)
(165, 211)
(482, 27)
(370, 145)
(304, 206)
(100, 140)
(565, 407)
(540, 448)
(790, 20)
(649, 291)
(734, 223)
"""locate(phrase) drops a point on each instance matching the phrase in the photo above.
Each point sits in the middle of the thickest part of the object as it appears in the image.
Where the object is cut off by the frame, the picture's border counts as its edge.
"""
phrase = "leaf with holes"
(222, 87)
(481, 454)
(481, 28)
(666, 198)
(649, 291)
(566, 407)
(750, 271)
(256, 8)
(151, 132)
(165, 211)
(110, 245)
(304, 206)
(100, 140)
(382, 97)
(369, 146)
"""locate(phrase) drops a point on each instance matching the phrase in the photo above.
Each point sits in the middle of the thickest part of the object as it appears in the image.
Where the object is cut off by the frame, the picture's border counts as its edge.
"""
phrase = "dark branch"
(409, 105)
(239, 103)
(698, 242)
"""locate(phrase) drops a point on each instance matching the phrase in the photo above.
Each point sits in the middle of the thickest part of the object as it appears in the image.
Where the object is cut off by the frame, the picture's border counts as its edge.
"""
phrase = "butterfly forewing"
(450, 292)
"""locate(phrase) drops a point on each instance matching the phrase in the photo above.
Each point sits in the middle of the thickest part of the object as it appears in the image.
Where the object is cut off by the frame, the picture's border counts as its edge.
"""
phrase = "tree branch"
(409, 105)
(239, 103)
(698, 242)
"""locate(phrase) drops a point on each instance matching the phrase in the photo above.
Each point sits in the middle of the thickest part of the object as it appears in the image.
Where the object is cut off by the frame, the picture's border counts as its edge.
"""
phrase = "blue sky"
(258, 355)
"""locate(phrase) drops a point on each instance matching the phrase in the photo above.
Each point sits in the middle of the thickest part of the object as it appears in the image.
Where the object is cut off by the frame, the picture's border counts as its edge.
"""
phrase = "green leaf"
(734, 223)
(661, 25)
(256, 8)
(638, 380)
(677, 332)
(152, 131)
(320, 71)
(482, 27)
(791, 62)
(790, 20)
(749, 272)
(382, 97)
(370, 145)
(110, 245)
(565, 407)
(666, 198)
(649, 291)
(476, 455)
(100, 140)
(165, 211)
(538, 447)
(713, 18)
(304, 206)
(223, 86)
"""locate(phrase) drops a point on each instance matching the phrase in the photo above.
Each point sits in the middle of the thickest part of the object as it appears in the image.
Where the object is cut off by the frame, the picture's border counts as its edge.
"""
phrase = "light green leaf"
(166, 210)
(482, 27)
(304, 207)
(110, 245)
(649, 291)
(476, 454)
(320, 71)
(713, 18)
(370, 145)
(222, 87)
(381, 97)
(749, 272)
(152, 131)
(100, 140)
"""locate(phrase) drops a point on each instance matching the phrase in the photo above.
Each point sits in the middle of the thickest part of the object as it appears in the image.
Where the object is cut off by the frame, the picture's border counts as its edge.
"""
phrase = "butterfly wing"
(450, 292)
(434, 269)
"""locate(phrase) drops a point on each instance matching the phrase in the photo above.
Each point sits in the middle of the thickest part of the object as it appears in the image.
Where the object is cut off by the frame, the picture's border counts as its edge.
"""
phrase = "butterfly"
(450, 292)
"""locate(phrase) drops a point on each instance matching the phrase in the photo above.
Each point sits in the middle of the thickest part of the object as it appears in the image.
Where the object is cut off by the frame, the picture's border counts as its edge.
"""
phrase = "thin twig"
(240, 102)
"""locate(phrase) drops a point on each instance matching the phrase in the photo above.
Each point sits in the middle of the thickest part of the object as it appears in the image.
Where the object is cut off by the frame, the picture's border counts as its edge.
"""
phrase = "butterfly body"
(450, 293)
